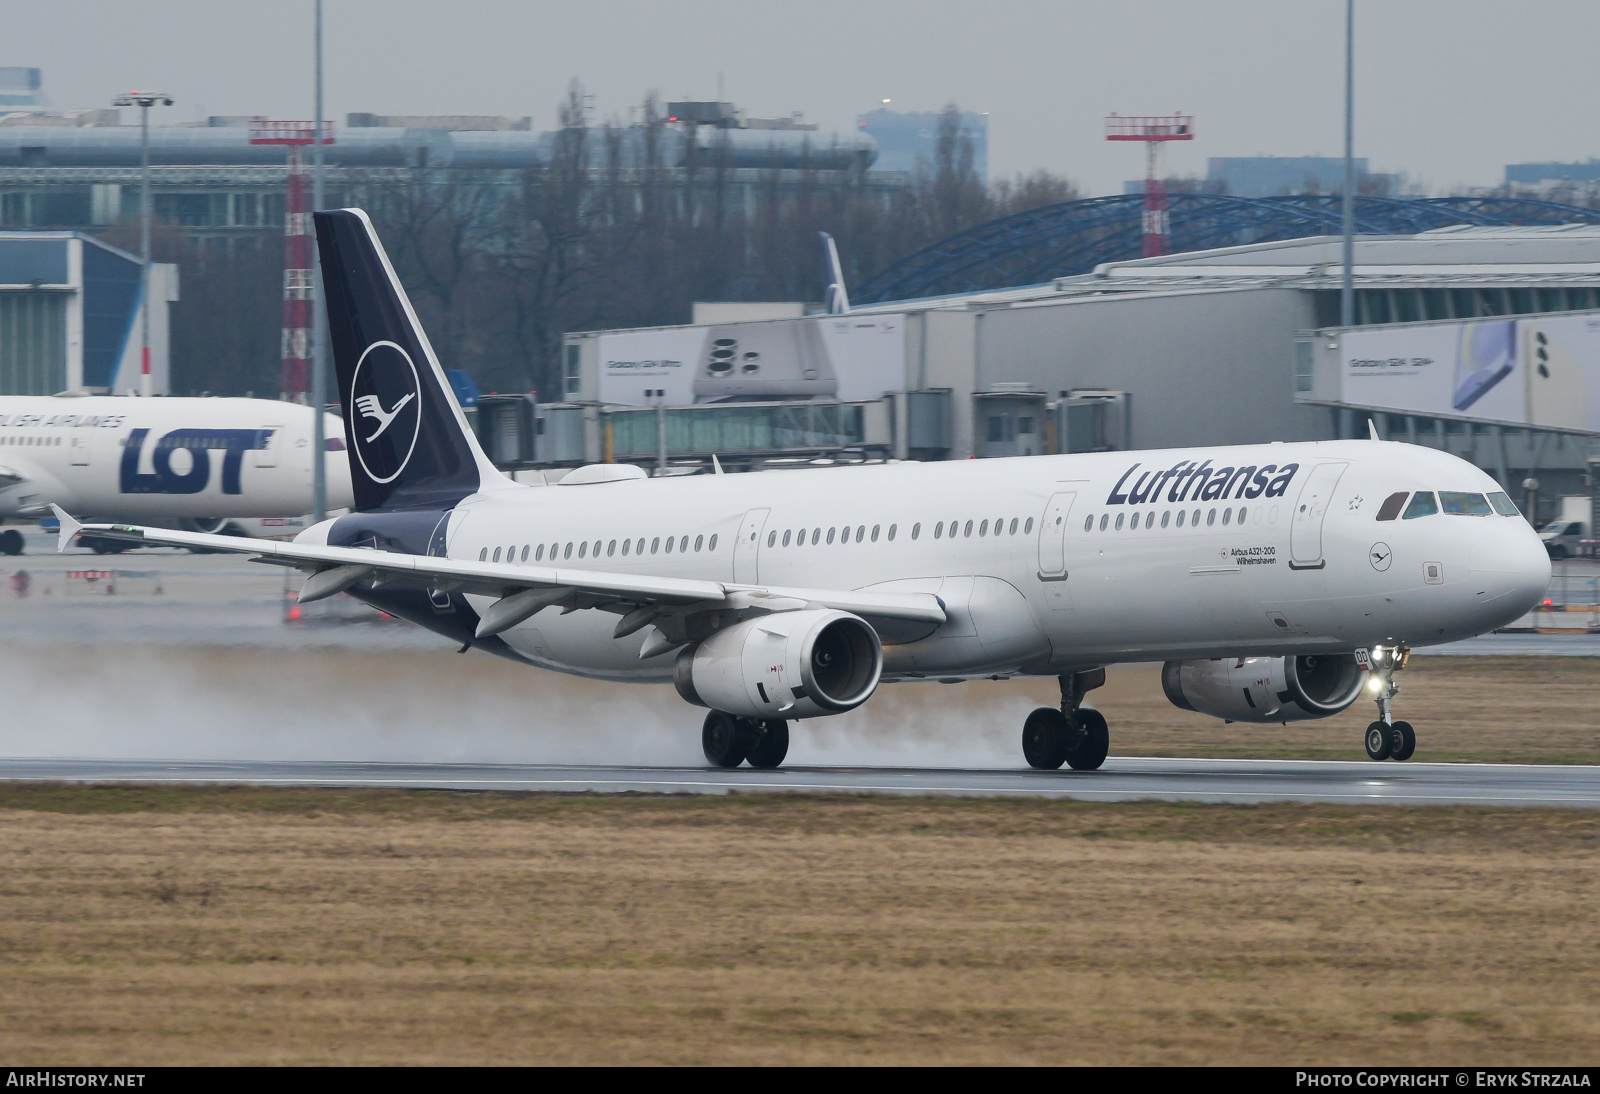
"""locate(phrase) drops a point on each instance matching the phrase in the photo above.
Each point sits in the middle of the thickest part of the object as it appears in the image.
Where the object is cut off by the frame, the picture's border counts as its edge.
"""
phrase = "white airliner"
(1278, 582)
(194, 463)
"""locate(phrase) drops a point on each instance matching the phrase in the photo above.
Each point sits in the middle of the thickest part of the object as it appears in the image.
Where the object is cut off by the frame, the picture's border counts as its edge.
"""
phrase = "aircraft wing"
(643, 600)
(10, 476)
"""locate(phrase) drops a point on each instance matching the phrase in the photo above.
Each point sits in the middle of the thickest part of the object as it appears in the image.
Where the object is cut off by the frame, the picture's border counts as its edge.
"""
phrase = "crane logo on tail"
(371, 408)
(385, 376)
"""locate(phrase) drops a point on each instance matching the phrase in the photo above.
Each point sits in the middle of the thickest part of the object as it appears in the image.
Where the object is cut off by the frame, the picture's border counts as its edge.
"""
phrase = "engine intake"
(1265, 689)
(787, 665)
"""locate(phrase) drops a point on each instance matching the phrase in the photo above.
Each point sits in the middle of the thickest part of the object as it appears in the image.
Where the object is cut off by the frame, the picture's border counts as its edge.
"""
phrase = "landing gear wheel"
(769, 743)
(1402, 741)
(1044, 739)
(10, 542)
(1380, 740)
(724, 739)
(1090, 751)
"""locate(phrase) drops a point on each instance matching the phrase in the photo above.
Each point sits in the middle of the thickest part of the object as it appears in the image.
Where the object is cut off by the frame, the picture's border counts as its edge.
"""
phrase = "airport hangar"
(1227, 345)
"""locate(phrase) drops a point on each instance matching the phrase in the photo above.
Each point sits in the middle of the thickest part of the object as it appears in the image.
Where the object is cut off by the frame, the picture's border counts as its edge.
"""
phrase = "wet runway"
(1122, 779)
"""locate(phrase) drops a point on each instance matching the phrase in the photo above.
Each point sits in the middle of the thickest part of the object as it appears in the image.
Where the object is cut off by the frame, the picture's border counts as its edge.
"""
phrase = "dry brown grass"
(213, 925)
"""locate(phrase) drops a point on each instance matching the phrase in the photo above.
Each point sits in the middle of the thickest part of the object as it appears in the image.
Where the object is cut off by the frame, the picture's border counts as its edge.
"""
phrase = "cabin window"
(627, 543)
(524, 552)
(875, 533)
(1460, 504)
(916, 531)
(1243, 509)
(538, 555)
(1391, 505)
(1195, 519)
(1150, 519)
(893, 528)
(1013, 525)
(638, 548)
(1211, 518)
(497, 554)
(712, 545)
(1227, 517)
(655, 545)
(861, 533)
(938, 530)
(772, 538)
(1503, 504)
(1088, 522)
(683, 545)
(1181, 515)
(596, 548)
(786, 536)
(1104, 517)
(816, 536)
(1027, 526)
(1422, 505)
(1166, 517)
(699, 541)
(1120, 518)
(669, 545)
(583, 548)
(830, 535)
(611, 548)
(968, 530)
(983, 529)
(483, 555)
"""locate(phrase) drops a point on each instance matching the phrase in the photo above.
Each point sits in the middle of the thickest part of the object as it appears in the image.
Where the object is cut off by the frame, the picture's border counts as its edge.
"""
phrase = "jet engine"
(1265, 689)
(800, 664)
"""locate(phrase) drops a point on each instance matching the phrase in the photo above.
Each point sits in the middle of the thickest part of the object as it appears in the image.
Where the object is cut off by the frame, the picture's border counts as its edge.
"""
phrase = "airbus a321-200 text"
(1277, 582)
(193, 464)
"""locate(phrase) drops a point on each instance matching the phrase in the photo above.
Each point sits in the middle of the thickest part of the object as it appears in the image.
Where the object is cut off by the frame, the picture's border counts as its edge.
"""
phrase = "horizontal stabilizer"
(69, 529)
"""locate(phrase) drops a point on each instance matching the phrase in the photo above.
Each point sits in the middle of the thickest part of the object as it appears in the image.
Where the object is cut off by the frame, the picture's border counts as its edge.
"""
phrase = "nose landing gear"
(1387, 739)
(1075, 735)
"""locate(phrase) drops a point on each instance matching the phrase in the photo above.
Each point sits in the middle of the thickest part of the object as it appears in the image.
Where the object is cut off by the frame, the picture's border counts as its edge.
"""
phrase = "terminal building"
(1227, 345)
(70, 316)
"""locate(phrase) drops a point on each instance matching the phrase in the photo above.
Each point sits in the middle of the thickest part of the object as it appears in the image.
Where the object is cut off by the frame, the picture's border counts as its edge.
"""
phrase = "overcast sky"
(1448, 91)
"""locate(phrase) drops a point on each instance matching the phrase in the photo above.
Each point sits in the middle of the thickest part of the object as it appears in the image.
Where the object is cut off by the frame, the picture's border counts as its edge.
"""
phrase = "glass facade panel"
(33, 343)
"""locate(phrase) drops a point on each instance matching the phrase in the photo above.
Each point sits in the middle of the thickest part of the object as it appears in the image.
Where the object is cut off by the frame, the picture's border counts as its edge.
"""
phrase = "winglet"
(1372, 430)
(716, 464)
(69, 528)
(837, 299)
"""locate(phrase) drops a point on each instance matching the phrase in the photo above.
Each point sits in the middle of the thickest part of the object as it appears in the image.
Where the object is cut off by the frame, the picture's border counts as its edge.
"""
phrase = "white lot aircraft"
(1278, 582)
(192, 463)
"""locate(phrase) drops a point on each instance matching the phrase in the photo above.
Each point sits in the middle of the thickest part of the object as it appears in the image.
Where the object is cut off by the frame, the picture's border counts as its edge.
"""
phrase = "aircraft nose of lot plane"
(1510, 571)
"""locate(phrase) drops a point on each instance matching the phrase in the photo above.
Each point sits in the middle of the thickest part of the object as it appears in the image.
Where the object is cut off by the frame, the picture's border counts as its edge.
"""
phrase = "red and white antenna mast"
(298, 260)
(1152, 131)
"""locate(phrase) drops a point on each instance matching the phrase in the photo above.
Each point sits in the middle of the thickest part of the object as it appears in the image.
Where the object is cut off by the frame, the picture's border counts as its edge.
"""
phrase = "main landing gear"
(728, 740)
(1386, 738)
(1074, 735)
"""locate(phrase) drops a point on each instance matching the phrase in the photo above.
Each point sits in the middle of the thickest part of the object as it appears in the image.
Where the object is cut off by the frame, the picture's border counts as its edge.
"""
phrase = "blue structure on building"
(1076, 236)
(904, 139)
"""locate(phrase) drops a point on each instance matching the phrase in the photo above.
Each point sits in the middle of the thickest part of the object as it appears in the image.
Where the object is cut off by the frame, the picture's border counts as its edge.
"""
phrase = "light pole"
(1347, 285)
(144, 100)
(319, 321)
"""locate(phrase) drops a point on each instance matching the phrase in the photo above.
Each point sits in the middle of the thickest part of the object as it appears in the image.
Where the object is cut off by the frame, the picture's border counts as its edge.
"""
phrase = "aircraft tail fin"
(408, 441)
(838, 300)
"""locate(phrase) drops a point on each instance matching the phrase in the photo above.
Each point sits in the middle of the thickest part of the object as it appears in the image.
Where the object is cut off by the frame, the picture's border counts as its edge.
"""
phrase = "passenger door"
(747, 548)
(80, 448)
(1305, 533)
(267, 454)
(1053, 550)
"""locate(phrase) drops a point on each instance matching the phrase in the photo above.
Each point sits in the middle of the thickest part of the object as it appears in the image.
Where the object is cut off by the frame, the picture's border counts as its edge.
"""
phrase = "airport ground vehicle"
(1568, 534)
(1279, 582)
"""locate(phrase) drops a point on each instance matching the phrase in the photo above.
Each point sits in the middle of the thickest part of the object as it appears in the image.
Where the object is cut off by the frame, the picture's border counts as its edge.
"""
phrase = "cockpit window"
(1464, 505)
(1391, 506)
(1422, 505)
(1503, 504)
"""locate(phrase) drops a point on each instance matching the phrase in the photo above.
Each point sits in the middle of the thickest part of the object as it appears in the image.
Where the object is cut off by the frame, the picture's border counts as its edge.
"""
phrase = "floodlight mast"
(1153, 131)
(144, 100)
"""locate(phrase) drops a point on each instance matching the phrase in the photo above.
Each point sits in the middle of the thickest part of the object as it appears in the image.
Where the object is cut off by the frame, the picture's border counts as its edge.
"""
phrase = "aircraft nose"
(1511, 570)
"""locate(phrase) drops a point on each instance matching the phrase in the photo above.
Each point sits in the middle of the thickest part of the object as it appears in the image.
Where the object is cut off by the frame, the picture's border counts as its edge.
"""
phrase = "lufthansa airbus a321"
(1277, 582)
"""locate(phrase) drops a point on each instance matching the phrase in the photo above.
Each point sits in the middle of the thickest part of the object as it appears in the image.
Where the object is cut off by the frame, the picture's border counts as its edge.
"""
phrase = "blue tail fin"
(408, 440)
(838, 301)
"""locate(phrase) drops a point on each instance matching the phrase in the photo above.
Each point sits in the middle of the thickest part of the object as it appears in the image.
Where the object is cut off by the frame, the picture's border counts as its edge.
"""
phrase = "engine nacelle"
(786, 665)
(1265, 689)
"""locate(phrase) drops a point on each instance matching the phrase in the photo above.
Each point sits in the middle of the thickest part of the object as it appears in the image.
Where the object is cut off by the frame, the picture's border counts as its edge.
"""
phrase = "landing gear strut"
(1387, 739)
(1075, 735)
(728, 740)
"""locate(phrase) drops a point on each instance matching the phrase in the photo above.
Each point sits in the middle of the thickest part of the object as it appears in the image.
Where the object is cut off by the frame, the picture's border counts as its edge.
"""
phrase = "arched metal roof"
(1076, 236)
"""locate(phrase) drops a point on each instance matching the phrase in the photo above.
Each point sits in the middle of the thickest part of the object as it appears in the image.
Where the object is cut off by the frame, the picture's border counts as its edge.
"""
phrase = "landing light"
(1375, 684)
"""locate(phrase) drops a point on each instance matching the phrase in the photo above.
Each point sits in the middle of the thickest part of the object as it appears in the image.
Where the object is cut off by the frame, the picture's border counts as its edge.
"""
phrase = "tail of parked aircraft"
(408, 440)
(838, 301)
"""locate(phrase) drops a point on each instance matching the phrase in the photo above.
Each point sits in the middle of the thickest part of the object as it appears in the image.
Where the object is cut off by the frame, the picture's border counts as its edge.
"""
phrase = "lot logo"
(198, 444)
(1202, 482)
(385, 394)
